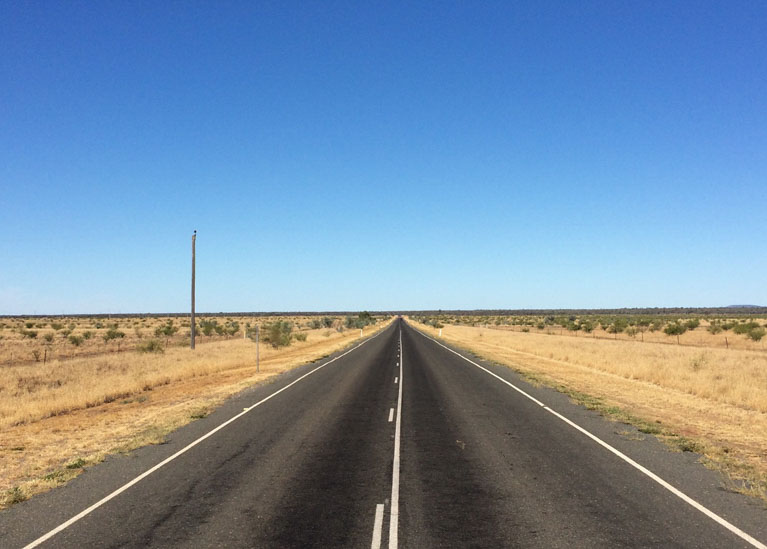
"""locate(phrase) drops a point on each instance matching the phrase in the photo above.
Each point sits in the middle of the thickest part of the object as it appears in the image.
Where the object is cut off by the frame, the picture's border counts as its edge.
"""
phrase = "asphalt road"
(410, 446)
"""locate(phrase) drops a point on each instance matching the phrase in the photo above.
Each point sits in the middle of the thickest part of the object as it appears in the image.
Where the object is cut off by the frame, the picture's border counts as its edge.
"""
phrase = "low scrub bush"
(167, 330)
(618, 325)
(207, 327)
(151, 346)
(692, 324)
(745, 327)
(113, 333)
(675, 328)
(714, 328)
(278, 333)
(363, 319)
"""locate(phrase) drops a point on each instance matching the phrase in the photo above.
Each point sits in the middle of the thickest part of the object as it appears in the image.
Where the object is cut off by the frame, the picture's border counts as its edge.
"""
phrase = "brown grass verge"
(698, 337)
(711, 401)
(153, 395)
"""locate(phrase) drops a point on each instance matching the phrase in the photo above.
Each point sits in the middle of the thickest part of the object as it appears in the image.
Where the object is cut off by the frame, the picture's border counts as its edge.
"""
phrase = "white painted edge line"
(394, 511)
(681, 495)
(377, 527)
(124, 487)
(391, 414)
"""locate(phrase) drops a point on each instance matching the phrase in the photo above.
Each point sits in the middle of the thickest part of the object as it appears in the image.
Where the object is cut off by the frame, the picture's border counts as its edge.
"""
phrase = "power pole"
(194, 238)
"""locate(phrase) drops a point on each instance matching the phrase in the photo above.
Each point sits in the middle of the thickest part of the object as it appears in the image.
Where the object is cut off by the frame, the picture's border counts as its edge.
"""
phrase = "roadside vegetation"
(744, 331)
(126, 382)
(673, 376)
(42, 339)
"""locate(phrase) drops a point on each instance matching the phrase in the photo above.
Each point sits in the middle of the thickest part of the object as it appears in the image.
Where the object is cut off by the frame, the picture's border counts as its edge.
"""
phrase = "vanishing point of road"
(398, 441)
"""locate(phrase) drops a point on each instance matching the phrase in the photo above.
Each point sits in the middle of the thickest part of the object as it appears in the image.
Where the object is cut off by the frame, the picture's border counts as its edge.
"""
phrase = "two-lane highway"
(399, 441)
(487, 466)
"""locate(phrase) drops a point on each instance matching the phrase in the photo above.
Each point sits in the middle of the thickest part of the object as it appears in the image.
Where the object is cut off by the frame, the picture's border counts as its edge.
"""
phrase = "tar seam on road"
(681, 495)
(123, 488)
(394, 514)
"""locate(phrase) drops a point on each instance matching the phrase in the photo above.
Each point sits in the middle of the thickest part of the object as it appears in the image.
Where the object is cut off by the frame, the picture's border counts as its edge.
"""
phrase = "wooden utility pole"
(194, 238)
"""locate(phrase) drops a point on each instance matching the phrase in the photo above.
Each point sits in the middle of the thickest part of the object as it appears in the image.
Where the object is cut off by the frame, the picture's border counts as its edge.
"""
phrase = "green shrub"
(618, 325)
(232, 327)
(76, 340)
(278, 333)
(300, 337)
(31, 334)
(48, 337)
(207, 327)
(57, 326)
(675, 328)
(714, 328)
(151, 346)
(87, 334)
(587, 326)
(167, 330)
(756, 333)
(113, 333)
(692, 324)
(363, 319)
(745, 327)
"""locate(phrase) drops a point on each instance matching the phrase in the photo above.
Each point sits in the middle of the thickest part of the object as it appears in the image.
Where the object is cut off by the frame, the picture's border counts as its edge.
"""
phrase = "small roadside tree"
(675, 328)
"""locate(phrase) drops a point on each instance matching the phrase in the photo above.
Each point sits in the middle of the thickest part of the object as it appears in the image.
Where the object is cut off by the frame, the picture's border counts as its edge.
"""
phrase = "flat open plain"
(398, 441)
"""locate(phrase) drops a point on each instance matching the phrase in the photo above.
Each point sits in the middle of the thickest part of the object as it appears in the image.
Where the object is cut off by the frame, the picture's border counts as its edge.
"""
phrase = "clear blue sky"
(382, 155)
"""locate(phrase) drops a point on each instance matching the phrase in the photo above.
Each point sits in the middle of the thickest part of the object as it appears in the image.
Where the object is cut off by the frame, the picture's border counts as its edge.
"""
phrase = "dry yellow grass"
(84, 408)
(698, 337)
(37, 340)
(715, 396)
